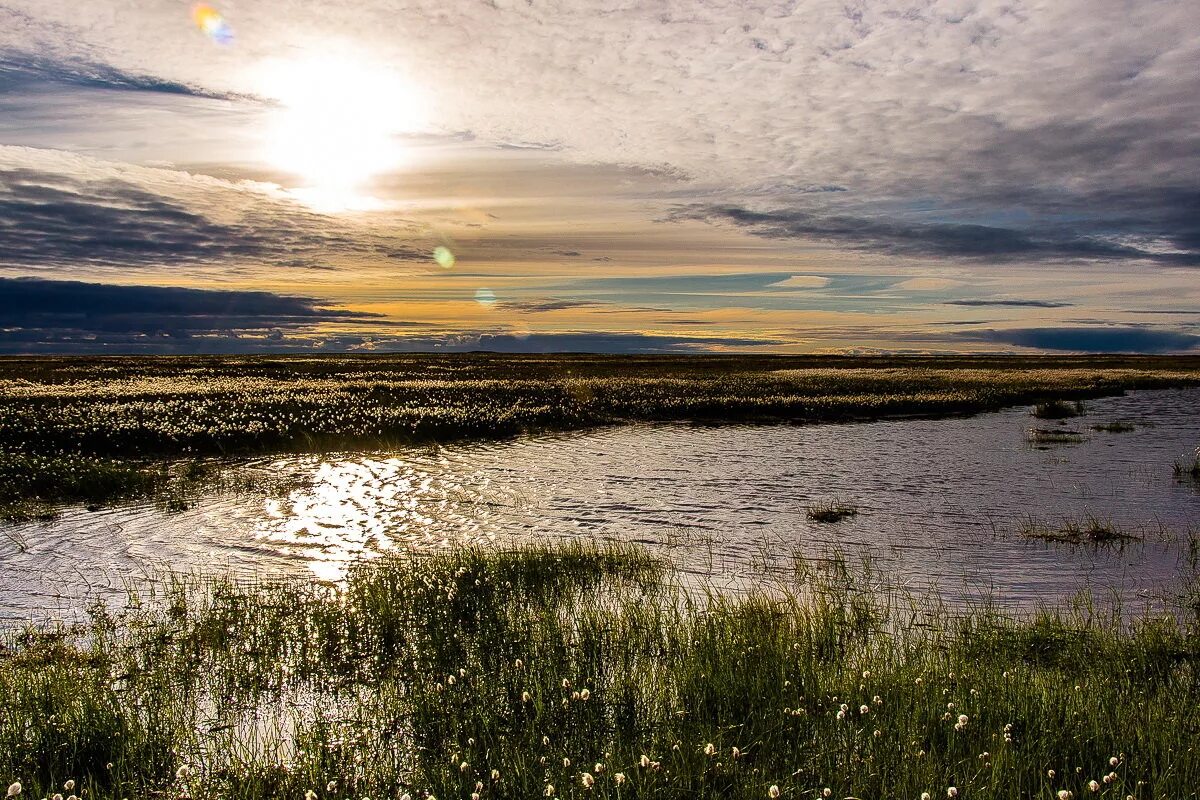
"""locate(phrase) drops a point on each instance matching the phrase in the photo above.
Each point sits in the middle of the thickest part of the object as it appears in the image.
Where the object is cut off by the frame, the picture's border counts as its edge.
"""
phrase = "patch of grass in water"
(1119, 426)
(1086, 530)
(1188, 467)
(834, 510)
(1054, 436)
(517, 674)
(1059, 409)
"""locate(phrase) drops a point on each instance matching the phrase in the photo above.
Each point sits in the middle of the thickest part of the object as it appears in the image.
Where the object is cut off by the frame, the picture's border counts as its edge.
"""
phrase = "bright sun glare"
(337, 126)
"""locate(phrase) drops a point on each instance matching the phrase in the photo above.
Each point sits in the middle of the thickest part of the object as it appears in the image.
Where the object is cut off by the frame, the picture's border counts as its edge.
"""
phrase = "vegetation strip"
(93, 430)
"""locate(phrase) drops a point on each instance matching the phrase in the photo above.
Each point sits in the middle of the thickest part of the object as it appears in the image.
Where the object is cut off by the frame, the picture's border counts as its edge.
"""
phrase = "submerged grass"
(577, 671)
(103, 427)
(1188, 467)
(1085, 530)
(1114, 427)
(834, 510)
(1059, 409)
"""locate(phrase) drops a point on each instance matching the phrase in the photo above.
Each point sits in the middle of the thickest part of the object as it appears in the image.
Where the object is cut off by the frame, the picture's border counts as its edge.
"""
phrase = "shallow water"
(940, 503)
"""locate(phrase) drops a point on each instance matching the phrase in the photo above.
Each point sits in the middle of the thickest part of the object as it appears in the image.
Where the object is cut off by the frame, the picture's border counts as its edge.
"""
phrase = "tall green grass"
(575, 671)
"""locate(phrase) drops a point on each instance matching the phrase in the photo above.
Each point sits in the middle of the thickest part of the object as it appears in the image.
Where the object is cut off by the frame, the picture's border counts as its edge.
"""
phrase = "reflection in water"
(939, 503)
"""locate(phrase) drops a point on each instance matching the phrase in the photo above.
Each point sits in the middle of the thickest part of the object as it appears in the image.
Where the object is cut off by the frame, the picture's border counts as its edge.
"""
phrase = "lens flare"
(485, 297)
(444, 257)
(209, 20)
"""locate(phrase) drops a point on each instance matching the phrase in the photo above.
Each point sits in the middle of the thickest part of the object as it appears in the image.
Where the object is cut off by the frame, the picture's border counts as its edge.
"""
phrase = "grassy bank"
(579, 672)
(100, 421)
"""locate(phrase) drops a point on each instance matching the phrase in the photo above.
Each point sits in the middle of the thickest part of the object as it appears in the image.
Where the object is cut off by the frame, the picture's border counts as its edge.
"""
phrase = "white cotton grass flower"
(1112, 762)
(406, 796)
(56, 797)
(585, 694)
(548, 791)
(644, 761)
(495, 774)
(827, 792)
(925, 796)
(331, 787)
(310, 795)
(14, 789)
(1064, 794)
(952, 791)
(587, 780)
(566, 762)
(69, 786)
(599, 768)
(710, 749)
(1093, 786)
(619, 778)
(735, 753)
(773, 792)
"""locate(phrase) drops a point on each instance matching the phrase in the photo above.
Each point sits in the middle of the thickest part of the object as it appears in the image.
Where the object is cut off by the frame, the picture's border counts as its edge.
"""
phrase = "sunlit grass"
(578, 671)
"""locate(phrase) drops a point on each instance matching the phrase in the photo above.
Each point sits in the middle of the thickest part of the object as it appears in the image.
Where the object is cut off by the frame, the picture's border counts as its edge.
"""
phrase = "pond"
(941, 505)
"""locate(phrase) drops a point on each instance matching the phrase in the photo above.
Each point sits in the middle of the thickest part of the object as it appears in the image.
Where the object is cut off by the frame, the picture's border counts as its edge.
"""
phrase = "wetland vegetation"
(93, 430)
(583, 671)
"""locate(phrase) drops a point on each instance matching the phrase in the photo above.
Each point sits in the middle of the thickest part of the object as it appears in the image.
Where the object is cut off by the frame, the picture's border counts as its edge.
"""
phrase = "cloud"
(34, 310)
(803, 282)
(1092, 340)
(896, 236)
(63, 210)
(927, 284)
(1011, 303)
(24, 71)
(547, 305)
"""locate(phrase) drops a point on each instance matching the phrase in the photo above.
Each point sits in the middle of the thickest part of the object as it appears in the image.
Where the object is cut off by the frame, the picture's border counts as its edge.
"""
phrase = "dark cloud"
(1012, 303)
(50, 218)
(898, 236)
(1092, 340)
(27, 71)
(547, 305)
(32, 309)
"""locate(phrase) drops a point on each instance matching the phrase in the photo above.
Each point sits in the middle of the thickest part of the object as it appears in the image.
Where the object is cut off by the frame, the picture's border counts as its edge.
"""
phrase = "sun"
(336, 126)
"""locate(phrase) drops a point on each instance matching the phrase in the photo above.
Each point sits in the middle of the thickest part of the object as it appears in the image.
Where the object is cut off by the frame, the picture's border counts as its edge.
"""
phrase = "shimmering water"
(940, 502)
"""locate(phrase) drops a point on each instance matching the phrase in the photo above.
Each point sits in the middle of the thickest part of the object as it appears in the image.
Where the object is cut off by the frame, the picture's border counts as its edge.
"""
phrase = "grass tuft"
(1115, 427)
(1059, 409)
(1087, 530)
(834, 510)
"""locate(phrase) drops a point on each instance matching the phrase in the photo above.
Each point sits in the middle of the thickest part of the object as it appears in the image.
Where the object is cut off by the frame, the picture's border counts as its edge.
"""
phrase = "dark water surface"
(941, 504)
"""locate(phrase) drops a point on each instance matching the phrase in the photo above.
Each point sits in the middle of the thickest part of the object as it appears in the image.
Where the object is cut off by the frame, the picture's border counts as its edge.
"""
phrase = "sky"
(656, 176)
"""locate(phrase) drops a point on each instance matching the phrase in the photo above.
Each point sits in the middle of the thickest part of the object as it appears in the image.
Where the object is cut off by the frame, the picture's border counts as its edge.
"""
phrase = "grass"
(517, 674)
(1188, 467)
(1059, 409)
(1054, 436)
(1087, 530)
(1115, 427)
(110, 428)
(832, 511)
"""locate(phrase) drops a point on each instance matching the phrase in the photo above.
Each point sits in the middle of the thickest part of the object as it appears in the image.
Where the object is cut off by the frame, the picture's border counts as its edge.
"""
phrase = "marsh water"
(941, 505)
